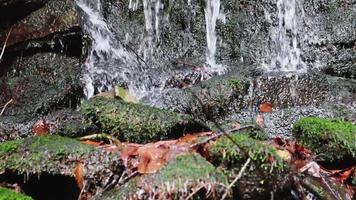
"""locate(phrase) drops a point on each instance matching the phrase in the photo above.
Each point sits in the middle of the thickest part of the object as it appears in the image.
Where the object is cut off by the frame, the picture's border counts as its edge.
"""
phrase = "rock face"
(41, 66)
(231, 93)
(177, 33)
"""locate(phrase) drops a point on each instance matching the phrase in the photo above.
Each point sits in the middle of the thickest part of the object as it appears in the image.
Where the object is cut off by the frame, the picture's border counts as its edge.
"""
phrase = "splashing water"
(109, 63)
(212, 14)
(288, 53)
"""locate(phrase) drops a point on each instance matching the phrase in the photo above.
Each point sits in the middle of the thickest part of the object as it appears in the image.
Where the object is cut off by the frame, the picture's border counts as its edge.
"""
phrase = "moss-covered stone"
(180, 178)
(233, 151)
(136, 122)
(6, 194)
(40, 154)
(331, 140)
(267, 171)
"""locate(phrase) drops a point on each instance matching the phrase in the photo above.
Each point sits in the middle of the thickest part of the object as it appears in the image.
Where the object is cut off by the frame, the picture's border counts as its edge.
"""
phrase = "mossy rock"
(331, 140)
(267, 171)
(137, 122)
(7, 194)
(34, 155)
(211, 99)
(177, 180)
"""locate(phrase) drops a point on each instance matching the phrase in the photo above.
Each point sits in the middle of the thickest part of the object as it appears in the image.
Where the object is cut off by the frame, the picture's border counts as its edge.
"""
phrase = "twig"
(222, 134)
(194, 66)
(102, 136)
(194, 192)
(239, 175)
(4, 46)
(3, 109)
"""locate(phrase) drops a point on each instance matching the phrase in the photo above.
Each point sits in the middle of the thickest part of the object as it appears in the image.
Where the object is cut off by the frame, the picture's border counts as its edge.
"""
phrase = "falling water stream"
(212, 14)
(286, 36)
(110, 63)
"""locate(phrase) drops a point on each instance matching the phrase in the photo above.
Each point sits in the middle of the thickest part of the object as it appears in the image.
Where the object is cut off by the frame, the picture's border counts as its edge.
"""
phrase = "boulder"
(53, 17)
(231, 93)
(331, 140)
(62, 165)
(136, 122)
(178, 180)
(260, 179)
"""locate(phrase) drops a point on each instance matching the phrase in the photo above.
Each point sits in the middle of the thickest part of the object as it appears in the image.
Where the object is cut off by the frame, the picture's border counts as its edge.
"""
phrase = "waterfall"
(288, 53)
(109, 63)
(212, 14)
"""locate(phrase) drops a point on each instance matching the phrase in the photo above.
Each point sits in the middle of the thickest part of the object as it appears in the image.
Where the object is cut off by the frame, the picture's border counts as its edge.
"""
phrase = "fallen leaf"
(40, 128)
(151, 159)
(78, 173)
(266, 107)
(92, 143)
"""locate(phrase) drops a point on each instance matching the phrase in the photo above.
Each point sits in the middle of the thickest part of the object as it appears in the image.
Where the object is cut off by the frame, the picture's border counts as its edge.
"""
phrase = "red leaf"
(78, 173)
(40, 128)
(266, 107)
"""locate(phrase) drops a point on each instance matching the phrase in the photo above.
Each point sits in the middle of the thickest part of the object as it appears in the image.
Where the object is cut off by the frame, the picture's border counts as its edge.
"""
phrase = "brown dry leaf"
(266, 107)
(40, 128)
(344, 174)
(260, 121)
(78, 173)
(92, 143)
(151, 159)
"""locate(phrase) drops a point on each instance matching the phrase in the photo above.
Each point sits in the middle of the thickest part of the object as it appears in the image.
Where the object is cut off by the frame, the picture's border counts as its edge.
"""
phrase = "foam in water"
(288, 53)
(212, 14)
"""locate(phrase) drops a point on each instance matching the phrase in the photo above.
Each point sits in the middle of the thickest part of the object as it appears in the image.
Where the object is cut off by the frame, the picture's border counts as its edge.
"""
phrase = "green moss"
(190, 168)
(135, 122)
(10, 146)
(235, 150)
(6, 194)
(331, 140)
(234, 83)
(37, 154)
(178, 179)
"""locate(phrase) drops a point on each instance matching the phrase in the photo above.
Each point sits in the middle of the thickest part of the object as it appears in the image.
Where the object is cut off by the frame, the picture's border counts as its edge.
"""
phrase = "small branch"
(4, 46)
(239, 175)
(196, 191)
(103, 136)
(222, 134)
(194, 66)
(3, 109)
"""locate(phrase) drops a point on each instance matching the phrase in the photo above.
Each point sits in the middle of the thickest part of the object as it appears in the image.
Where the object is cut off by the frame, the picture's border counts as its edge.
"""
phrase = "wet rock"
(65, 122)
(330, 39)
(179, 179)
(137, 122)
(209, 99)
(42, 82)
(58, 156)
(337, 138)
(53, 17)
(232, 93)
